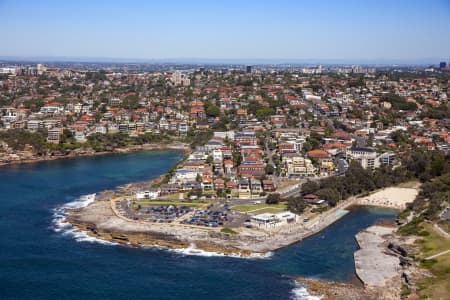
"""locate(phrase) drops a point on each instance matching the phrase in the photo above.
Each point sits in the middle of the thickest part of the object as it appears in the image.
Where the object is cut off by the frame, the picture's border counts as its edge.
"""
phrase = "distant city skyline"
(324, 31)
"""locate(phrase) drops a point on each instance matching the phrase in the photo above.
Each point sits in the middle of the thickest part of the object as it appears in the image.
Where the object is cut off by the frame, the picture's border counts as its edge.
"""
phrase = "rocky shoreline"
(332, 290)
(100, 220)
(377, 269)
(25, 157)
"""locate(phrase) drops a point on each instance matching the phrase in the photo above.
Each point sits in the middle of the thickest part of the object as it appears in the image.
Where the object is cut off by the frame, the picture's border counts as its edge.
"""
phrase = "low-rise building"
(268, 220)
(251, 169)
(148, 194)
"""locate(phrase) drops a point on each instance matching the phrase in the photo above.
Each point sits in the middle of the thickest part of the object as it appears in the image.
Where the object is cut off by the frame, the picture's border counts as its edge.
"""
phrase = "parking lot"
(157, 214)
(207, 218)
(217, 214)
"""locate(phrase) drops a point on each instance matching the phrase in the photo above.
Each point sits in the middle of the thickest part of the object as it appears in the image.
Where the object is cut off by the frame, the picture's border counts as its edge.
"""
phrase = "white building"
(179, 78)
(184, 175)
(101, 129)
(80, 136)
(115, 101)
(387, 158)
(365, 155)
(297, 142)
(183, 127)
(8, 114)
(163, 124)
(268, 220)
(34, 125)
(150, 194)
(217, 155)
(298, 166)
(224, 134)
(8, 70)
(53, 135)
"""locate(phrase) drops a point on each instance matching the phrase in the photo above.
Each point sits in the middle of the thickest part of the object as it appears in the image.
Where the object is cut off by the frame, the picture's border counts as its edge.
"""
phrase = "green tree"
(273, 198)
(212, 110)
(310, 187)
(264, 112)
(270, 169)
(296, 205)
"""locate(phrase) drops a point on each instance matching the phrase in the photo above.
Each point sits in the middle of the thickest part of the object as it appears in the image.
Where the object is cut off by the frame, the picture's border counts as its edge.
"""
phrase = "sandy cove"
(25, 158)
(391, 197)
(100, 220)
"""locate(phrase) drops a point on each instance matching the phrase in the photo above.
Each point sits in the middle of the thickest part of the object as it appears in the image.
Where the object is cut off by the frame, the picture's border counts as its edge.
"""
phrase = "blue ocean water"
(38, 263)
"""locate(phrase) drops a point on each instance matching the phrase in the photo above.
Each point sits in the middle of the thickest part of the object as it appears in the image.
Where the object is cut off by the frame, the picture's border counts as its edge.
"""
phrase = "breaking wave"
(299, 292)
(66, 229)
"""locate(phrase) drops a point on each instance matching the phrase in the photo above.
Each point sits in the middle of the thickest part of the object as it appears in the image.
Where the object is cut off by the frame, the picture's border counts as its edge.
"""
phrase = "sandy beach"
(392, 197)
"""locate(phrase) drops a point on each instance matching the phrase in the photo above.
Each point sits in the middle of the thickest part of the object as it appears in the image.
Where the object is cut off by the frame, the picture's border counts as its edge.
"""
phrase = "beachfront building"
(184, 175)
(267, 220)
(149, 194)
(53, 135)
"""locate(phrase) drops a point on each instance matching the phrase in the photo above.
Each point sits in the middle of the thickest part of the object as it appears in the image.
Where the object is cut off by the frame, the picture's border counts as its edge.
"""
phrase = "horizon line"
(200, 60)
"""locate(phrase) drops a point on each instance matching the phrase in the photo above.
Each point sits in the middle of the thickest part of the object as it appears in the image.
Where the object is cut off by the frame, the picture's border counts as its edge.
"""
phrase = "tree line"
(417, 164)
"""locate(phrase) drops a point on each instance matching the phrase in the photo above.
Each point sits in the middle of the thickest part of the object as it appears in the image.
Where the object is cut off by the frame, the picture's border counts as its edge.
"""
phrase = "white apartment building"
(298, 166)
(366, 156)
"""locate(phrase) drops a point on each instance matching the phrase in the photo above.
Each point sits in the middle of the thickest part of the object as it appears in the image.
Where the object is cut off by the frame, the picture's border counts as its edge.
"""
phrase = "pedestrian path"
(438, 254)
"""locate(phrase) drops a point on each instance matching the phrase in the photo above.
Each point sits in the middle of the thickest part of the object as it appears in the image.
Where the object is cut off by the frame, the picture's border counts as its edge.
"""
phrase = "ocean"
(40, 259)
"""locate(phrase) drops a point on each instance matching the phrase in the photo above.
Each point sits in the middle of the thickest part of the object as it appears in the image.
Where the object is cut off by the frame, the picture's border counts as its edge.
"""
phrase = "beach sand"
(393, 197)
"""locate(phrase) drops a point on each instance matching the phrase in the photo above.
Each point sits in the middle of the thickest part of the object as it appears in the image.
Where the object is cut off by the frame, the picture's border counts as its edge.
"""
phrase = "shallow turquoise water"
(38, 263)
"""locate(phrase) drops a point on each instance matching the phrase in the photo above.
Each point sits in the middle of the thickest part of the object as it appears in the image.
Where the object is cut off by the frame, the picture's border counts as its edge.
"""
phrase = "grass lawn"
(408, 184)
(320, 209)
(269, 210)
(445, 225)
(175, 196)
(437, 287)
(285, 184)
(228, 230)
(247, 208)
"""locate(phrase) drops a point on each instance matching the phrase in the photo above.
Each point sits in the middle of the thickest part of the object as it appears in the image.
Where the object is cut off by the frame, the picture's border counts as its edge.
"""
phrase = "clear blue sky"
(278, 29)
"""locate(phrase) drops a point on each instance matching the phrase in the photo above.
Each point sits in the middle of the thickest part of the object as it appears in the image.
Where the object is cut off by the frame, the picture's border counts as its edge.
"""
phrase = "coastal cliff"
(23, 157)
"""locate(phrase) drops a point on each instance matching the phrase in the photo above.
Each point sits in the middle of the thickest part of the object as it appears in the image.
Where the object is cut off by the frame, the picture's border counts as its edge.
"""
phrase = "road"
(269, 154)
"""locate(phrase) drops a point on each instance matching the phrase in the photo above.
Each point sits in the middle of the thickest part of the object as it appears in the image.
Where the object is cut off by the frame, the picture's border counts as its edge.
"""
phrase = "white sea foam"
(194, 251)
(81, 202)
(66, 229)
(301, 293)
